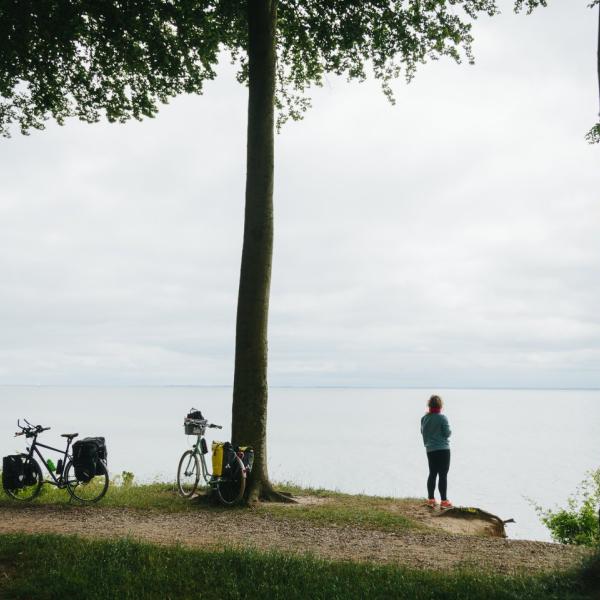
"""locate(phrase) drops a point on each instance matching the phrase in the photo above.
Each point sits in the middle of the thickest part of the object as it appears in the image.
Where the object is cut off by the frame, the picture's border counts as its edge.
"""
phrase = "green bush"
(579, 522)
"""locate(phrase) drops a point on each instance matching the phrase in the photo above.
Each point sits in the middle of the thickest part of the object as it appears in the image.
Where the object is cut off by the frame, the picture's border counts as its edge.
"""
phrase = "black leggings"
(439, 464)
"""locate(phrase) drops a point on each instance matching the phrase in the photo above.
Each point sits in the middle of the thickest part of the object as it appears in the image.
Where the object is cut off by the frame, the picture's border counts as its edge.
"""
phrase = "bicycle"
(230, 485)
(84, 489)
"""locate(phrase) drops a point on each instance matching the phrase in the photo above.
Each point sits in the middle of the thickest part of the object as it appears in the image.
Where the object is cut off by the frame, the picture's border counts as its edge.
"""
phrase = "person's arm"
(446, 427)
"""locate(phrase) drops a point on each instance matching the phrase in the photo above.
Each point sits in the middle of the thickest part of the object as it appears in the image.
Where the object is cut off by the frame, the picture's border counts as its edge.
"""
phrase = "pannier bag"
(222, 455)
(18, 471)
(87, 455)
(217, 458)
(13, 472)
(248, 458)
(30, 472)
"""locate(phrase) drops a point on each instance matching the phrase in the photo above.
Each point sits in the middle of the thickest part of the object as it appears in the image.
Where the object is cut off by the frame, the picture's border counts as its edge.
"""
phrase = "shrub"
(579, 523)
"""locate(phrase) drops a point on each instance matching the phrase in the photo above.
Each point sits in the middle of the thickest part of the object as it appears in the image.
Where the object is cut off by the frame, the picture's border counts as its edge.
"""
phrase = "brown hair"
(435, 402)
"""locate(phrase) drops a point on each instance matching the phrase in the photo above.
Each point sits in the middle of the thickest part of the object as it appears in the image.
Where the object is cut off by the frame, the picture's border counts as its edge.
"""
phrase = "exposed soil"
(446, 548)
(463, 520)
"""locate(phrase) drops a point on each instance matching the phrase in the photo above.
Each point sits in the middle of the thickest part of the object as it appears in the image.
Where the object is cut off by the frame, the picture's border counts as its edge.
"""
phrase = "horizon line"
(321, 386)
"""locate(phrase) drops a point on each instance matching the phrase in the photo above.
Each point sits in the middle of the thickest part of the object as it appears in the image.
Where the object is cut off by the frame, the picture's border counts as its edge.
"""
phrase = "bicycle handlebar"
(203, 423)
(31, 430)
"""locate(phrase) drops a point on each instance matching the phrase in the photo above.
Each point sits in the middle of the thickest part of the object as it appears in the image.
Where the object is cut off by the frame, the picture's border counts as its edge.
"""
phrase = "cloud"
(449, 240)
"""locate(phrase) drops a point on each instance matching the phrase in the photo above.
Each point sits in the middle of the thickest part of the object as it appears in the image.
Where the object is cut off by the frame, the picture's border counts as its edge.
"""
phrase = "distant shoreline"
(296, 387)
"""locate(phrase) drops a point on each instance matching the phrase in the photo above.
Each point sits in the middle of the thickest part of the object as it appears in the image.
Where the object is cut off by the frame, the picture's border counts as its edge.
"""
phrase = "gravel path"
(218, 529)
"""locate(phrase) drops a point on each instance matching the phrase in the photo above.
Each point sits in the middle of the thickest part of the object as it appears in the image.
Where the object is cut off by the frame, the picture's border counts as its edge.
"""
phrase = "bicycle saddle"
(69, 436)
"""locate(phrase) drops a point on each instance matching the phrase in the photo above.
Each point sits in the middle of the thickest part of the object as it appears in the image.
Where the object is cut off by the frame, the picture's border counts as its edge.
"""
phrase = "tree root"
(272, 495)
(263, 491)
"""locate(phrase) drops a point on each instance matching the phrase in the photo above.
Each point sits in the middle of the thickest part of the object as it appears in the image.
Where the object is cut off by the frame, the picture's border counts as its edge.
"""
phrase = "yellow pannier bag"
(217, 458)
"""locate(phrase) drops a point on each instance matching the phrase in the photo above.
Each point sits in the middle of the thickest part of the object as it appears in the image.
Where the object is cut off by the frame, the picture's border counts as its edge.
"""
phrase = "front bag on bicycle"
(14, 472)
(87, 455)
(194, 423)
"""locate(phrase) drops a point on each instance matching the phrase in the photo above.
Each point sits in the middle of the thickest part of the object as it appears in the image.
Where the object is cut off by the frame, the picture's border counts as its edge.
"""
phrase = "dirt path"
(218, 529)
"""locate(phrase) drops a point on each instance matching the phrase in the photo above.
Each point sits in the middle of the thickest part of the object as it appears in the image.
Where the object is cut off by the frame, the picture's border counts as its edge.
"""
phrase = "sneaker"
(446, 504)
(431, 503)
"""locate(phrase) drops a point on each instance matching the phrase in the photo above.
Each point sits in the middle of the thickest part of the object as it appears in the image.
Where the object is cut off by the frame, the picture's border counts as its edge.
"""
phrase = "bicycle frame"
(59, 481)
(208, 478)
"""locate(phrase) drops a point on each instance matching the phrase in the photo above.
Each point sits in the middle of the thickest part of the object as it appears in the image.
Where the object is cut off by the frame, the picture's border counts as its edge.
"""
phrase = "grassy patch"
(335, 508)
(327, 508)
(158, 496)
(47, 567)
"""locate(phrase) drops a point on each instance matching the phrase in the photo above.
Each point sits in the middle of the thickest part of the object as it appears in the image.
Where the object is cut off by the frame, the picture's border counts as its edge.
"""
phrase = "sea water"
(509, 447)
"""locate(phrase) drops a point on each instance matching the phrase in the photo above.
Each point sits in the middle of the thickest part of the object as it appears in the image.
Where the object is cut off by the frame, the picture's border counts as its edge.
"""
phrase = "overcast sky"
(450, 240)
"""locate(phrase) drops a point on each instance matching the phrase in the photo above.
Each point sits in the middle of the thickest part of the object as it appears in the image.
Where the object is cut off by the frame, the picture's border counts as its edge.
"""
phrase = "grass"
(48, 567)
(334, 508)
(152, 496)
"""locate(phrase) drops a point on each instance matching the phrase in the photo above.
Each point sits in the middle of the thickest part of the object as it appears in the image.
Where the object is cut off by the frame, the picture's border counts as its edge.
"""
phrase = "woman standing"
(435, 430)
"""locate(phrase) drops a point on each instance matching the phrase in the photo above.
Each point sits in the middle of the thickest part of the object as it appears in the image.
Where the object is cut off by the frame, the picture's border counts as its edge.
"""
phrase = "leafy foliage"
(593, 135)
(86, 57)
(121, 58)
(579, 522)
(529, 5)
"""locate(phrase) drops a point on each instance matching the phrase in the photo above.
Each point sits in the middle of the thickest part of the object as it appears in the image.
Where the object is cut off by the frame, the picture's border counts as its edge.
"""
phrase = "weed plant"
(579, 522)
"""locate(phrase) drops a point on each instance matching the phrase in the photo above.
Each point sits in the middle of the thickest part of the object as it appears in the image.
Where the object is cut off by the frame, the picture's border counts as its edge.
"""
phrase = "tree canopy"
(120, 59)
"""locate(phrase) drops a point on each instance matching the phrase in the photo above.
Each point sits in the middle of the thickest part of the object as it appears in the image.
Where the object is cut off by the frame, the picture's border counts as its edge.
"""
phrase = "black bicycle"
(82, 486)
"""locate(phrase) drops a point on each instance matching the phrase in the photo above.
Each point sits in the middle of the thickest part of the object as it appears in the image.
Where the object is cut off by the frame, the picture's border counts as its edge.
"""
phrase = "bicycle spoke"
(188, 474)
(87, 491)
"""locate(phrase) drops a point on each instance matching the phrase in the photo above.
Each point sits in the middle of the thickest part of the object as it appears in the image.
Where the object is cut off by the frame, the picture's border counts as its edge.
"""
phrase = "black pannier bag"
(228, 459)
(248, 456)
(30, 472)
(13, 472)
(87, 454)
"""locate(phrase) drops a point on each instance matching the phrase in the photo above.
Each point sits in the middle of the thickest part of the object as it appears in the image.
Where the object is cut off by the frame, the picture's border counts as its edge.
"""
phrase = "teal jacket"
(435, 430)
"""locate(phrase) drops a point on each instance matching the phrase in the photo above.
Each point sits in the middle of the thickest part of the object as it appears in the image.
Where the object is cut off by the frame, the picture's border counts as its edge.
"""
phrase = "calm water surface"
(507, 445)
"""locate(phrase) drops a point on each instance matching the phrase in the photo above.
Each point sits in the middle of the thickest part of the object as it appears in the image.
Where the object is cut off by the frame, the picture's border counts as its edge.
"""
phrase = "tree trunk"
(250, 390)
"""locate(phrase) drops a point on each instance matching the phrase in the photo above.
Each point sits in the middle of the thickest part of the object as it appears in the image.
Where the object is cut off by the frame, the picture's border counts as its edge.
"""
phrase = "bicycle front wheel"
(31, 484)
(188, 474)
(230, 490)
(89, 491)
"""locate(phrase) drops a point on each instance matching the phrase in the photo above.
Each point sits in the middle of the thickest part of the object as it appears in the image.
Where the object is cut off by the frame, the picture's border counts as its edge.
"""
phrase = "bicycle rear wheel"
(32, 482)
(188, 474)
(90, 491)
(231, 489)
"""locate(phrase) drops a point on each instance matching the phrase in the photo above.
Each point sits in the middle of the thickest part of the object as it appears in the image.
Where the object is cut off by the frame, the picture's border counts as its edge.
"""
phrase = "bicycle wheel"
(231, 489)
(188, 474)
(32, 483)
(87, 491)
